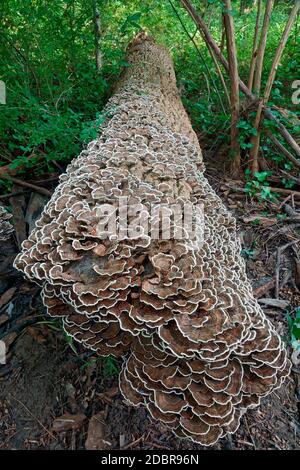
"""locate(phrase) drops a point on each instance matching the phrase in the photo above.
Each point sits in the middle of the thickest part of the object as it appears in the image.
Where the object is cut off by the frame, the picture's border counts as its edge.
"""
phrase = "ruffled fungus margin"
(6, 228)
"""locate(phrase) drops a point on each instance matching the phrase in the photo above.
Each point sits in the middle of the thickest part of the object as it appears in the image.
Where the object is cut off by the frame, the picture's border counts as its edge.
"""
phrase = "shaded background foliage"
(55, 94)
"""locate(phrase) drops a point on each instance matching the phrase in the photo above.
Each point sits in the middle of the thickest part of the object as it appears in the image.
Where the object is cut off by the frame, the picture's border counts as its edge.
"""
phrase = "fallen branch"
(291, 177)
(296, 194)
(34, 187)
(282, 148)
(285, 191)
(274, 303)
(262, 290)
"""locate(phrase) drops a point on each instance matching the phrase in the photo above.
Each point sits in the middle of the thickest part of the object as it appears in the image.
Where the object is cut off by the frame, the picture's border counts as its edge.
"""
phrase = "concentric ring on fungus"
(197, 348)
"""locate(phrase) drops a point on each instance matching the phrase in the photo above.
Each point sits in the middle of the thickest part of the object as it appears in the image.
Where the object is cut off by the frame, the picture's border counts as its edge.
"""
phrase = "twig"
(291, 177)
(285, 191)
(14, 194)
(250, 434)
(286, 153)
(272, 189)
(133, 443)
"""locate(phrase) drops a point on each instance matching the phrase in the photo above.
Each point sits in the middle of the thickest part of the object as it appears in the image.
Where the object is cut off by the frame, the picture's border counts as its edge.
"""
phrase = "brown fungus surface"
(198, 350)
(6, 228)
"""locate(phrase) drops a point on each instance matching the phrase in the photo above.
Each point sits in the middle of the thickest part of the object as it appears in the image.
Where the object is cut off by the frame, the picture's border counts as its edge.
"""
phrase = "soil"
(52, 395)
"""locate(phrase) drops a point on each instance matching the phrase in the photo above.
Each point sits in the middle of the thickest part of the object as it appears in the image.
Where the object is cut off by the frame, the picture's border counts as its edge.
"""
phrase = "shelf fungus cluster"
(6, 227)
(197, 348)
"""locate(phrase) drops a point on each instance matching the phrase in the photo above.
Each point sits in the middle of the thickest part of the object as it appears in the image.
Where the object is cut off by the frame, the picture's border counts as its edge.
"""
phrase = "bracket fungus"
(6, 228)
(197, 348)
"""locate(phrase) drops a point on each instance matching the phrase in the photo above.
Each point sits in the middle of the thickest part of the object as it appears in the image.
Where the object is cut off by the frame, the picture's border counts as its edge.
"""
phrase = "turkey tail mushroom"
(6, 228)
(198, 350)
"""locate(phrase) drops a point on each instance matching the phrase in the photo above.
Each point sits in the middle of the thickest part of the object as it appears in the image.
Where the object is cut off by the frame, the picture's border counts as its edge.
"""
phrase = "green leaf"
(261, 176)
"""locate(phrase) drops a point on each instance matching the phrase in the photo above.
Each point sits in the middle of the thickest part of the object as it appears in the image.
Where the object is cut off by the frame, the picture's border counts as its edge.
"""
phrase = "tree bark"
(234, 84)
(255, 45)
(262, 47)
(97, 35)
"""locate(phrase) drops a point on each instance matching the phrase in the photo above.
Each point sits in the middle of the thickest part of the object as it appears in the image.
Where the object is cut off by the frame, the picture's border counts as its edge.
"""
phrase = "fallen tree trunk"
(176, 303)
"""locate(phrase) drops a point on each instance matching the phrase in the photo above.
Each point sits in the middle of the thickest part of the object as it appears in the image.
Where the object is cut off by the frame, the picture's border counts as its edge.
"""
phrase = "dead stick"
(272, 189)
(286, 153)
(262, 290)
(285, 191)
(291, 177)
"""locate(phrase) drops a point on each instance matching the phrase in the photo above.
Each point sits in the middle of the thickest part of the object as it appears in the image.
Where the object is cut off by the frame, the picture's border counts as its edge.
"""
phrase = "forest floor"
(52, 397)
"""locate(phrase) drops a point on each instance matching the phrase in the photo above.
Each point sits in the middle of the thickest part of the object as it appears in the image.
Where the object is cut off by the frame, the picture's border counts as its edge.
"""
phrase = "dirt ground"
(54, 397)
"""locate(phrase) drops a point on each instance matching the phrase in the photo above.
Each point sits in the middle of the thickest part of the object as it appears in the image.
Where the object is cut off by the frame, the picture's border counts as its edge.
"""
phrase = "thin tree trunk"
(255, 45)
(203, 60)
(256, 139)
(234, 84)
(262, 47)
(219, 72)
(97, 35)
(211, 42)
(222, 42)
